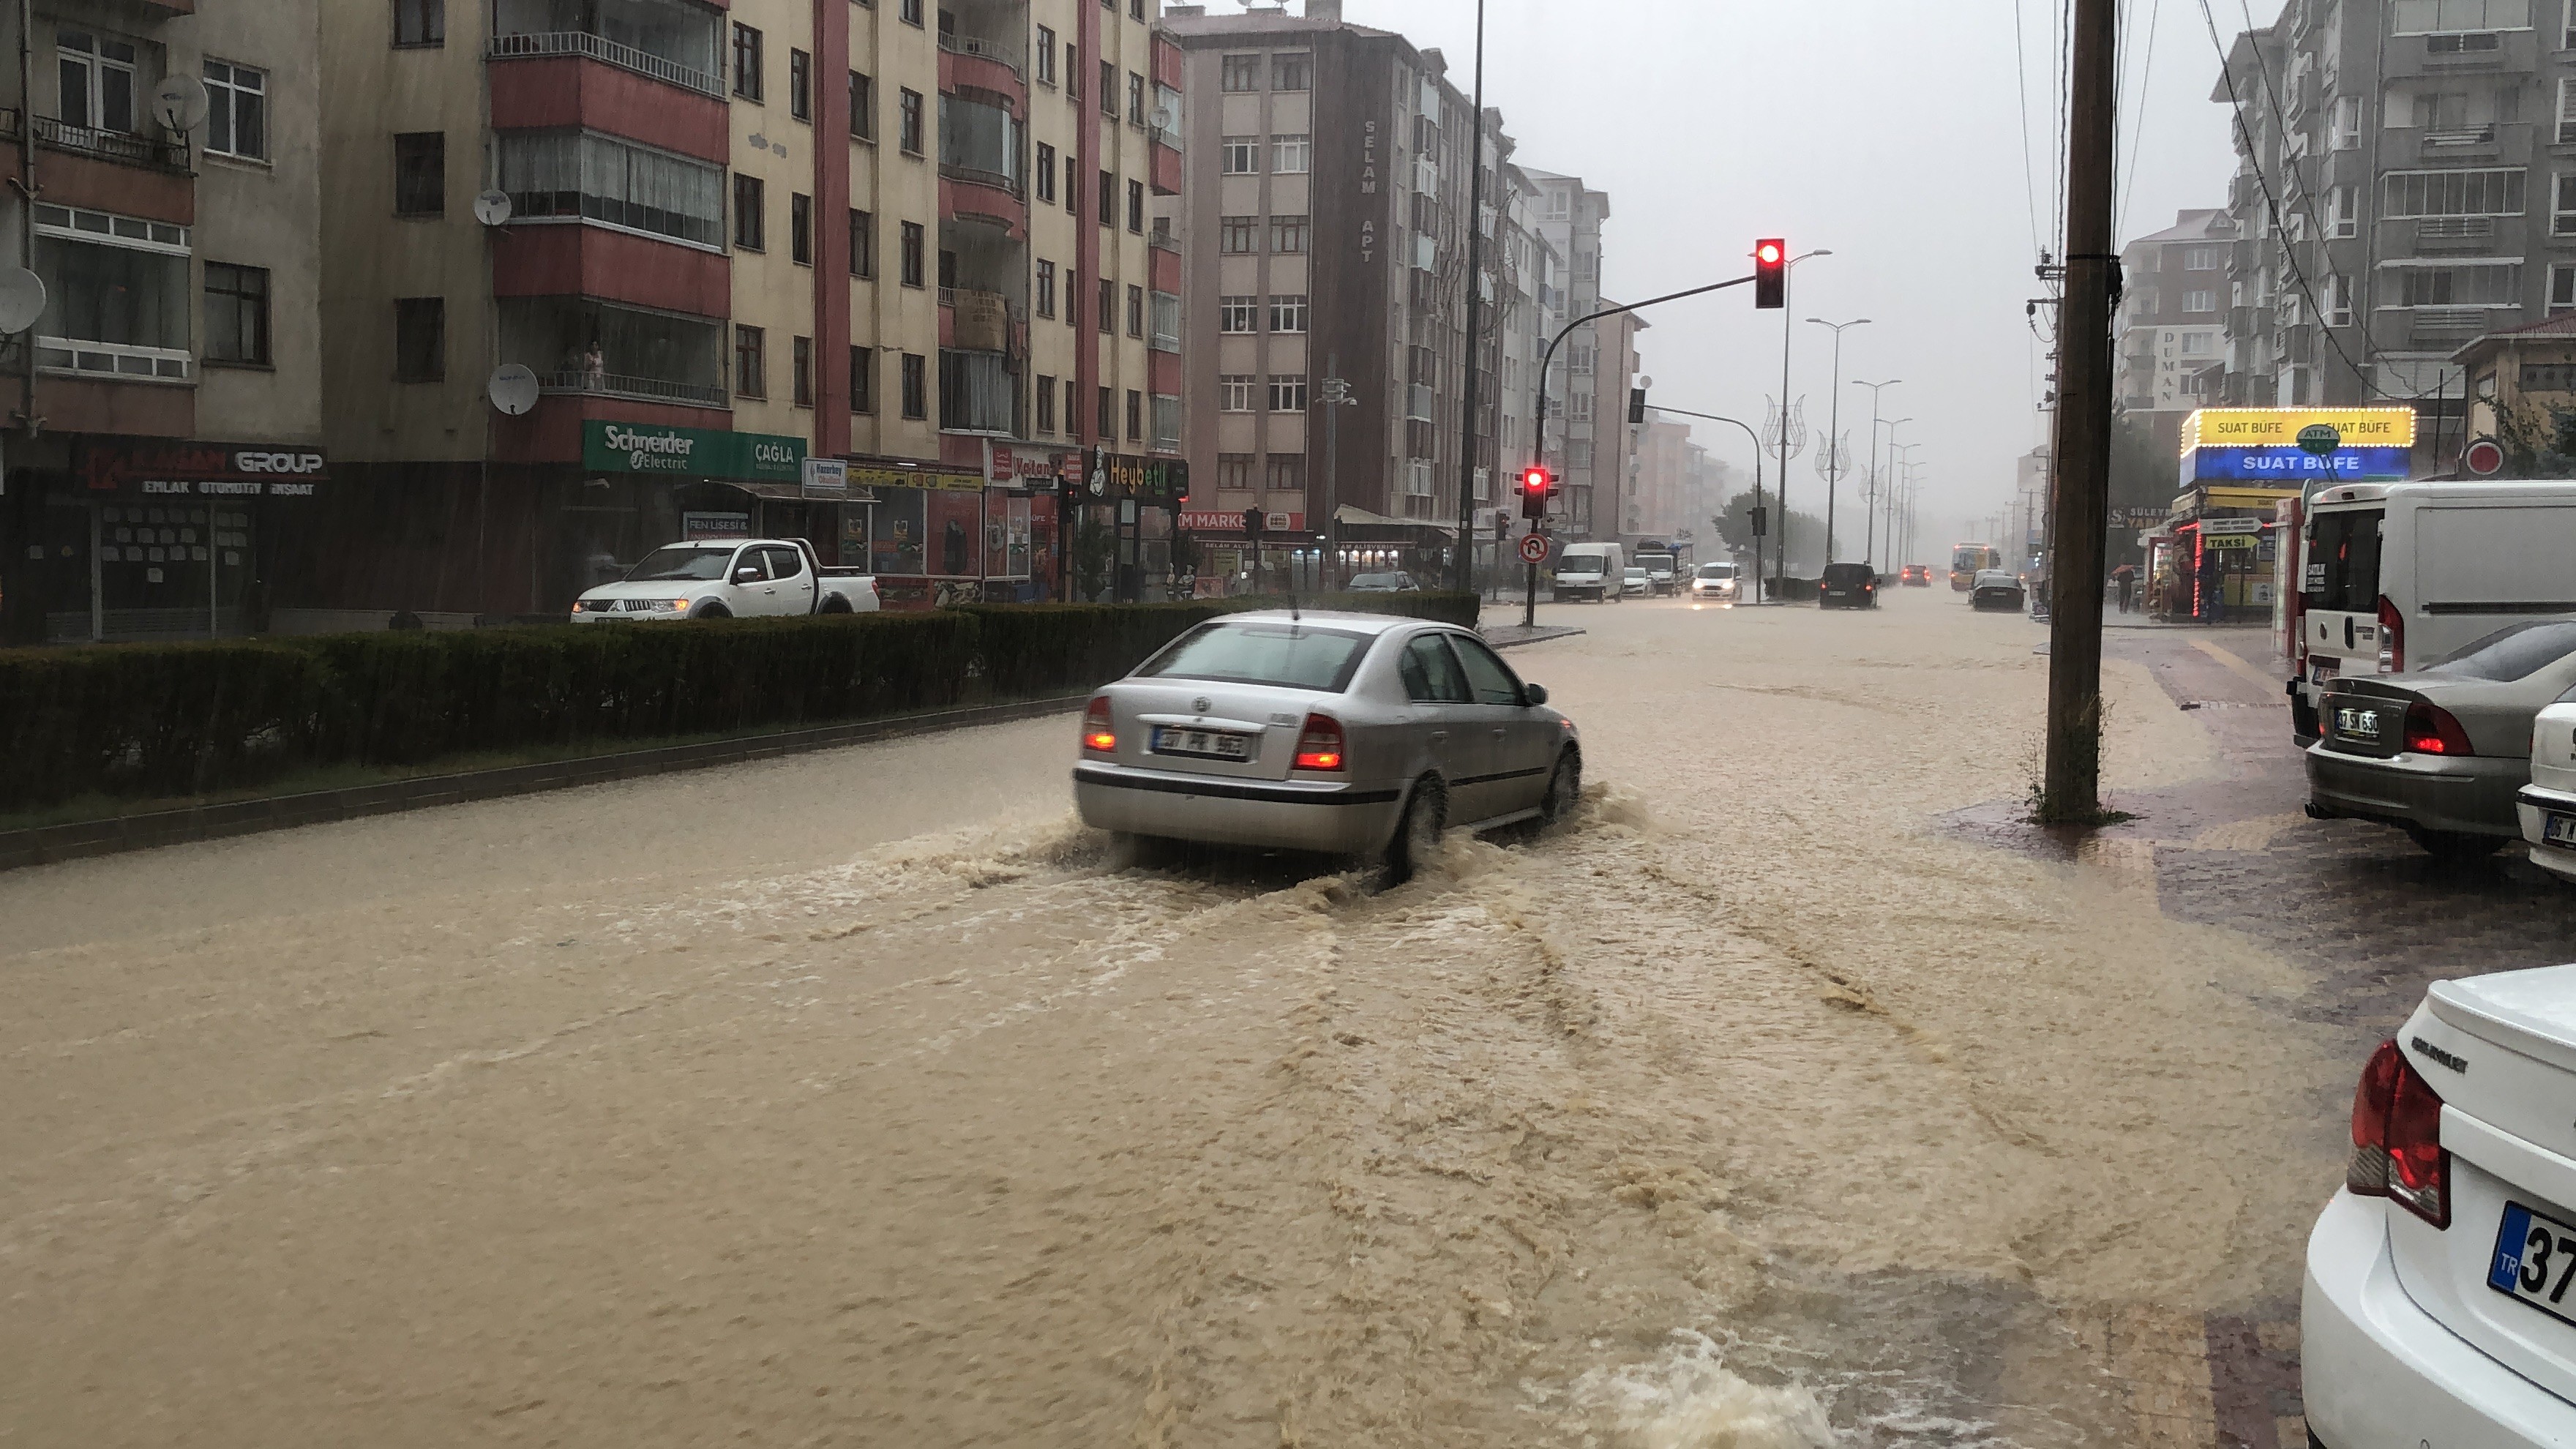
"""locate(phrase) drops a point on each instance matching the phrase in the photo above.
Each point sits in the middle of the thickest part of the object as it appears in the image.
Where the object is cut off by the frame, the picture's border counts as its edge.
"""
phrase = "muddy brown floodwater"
(857, 1099)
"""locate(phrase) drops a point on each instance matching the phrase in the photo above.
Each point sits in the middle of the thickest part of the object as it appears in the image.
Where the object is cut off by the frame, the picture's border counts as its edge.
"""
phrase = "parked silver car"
(1345, 734)
(2441, 753)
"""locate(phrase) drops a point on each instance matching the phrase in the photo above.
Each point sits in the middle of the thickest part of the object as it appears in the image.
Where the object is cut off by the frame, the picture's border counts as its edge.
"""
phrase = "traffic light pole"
(1757, 471)
(1466, 579)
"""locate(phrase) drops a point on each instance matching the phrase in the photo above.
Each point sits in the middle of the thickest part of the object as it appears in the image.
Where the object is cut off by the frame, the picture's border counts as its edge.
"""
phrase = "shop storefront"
(2215, 559)
(145, 538)
(1232, 561)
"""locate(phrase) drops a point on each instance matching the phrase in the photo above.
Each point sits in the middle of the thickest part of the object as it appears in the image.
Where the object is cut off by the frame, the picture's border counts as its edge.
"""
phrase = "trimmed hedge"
(156, 720)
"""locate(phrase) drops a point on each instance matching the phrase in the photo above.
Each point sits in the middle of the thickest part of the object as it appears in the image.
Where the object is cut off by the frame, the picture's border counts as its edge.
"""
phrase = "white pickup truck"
(729, 579)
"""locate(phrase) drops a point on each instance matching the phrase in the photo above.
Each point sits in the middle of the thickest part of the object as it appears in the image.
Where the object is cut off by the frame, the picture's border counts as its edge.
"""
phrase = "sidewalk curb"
(45, 845)
(1541, 635)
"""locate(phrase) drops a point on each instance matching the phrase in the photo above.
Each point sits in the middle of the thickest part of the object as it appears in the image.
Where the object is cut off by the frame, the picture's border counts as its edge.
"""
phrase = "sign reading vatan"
(613, 447)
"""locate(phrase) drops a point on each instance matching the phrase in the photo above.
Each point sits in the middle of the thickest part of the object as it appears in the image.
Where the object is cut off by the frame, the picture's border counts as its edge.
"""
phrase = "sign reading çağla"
(610, 447)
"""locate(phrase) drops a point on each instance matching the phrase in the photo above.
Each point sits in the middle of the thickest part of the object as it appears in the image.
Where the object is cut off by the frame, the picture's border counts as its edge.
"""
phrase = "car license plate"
(2535, 1261)
(1202, 744)
(2558, 830)
(2360, 724)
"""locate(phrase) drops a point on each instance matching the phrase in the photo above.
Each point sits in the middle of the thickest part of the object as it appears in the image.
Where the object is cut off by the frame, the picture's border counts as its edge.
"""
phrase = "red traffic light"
(1768, 254)
(1535, 481)
(1535, 485)
(1770, 273)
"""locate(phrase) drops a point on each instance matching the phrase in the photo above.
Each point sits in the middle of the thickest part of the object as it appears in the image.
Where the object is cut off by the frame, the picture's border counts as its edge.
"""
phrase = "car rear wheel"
(1417, 835)
(1564, 789)
(2457, 846)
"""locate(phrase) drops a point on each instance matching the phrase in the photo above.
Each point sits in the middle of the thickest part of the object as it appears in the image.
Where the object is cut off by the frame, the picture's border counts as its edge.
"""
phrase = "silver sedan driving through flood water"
(1348, 734)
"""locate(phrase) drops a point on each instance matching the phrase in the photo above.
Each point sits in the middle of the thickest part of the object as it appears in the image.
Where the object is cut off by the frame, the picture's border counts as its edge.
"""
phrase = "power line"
(2021, 68)
(2138, 122)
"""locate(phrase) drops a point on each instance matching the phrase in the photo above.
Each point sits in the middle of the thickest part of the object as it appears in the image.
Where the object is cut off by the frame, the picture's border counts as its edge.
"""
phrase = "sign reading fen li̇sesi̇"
(613, 447)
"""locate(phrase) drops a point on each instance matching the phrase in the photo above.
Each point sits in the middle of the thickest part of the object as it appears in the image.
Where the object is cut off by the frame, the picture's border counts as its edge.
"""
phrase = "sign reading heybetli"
(609, 447)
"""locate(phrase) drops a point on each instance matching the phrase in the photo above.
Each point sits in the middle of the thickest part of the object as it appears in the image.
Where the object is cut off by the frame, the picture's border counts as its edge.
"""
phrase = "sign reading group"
(608, 447)
(2294, 447)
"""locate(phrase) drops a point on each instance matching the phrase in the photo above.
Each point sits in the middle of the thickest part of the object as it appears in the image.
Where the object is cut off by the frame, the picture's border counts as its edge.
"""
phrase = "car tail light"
(2392, 638)
(2397, 1138)
(1319, 744)
(1098, 734)
(2432, 730)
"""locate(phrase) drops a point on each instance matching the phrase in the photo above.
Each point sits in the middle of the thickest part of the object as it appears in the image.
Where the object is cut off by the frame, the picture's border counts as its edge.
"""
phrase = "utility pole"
(1466, 577)
(2072, 788)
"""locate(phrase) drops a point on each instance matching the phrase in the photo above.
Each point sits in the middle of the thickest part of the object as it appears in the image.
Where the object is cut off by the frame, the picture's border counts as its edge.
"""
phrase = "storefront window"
(895, 532)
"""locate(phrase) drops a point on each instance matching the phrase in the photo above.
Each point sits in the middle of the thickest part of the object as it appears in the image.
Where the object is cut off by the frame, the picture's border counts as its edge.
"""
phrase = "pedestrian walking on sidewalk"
(2124, 579)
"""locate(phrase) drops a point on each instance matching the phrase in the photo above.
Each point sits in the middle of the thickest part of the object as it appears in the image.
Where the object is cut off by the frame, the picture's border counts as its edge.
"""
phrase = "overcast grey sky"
(1886, 130)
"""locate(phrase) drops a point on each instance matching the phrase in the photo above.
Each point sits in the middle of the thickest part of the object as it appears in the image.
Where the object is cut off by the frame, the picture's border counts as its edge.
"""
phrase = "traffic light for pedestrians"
(1534, 490)
(1636, 405)
(1771, 273)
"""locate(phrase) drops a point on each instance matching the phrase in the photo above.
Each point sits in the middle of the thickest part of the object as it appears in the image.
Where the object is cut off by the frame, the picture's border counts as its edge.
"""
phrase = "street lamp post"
(1831, 462)
(1780, 552)
(1869, 548)
(1877, 489)
(1757, 473)
(1466, 550)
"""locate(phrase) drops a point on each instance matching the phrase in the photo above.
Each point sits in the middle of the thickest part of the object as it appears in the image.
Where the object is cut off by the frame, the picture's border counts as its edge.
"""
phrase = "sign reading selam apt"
(612, 447)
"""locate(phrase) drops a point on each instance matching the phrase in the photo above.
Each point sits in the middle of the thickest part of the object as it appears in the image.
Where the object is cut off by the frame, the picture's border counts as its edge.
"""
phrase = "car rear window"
(2510, 654)
(1292, 656)
(1847, 573)
(2343, 561)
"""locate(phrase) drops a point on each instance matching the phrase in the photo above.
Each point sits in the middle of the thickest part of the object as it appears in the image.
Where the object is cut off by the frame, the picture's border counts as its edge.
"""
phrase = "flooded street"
(860, 1098)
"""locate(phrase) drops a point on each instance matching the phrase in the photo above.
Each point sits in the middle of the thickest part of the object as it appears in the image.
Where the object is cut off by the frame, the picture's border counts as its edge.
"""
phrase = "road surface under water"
(861, 1098)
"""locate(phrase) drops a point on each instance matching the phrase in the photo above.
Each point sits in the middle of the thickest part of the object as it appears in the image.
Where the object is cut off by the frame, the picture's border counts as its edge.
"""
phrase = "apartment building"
(2169, 336)
(1324, 225)
(728, 237)
(1655, 504)
(1595, 366)
(162, 421)
(2401, 189)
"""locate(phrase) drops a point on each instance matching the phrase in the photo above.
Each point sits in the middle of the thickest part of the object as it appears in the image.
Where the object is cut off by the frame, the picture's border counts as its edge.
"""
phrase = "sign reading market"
(2295, 447)
(614, 447)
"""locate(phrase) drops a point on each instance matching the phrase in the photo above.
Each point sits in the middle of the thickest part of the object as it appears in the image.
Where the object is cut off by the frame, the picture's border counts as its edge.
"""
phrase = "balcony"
(980, 321)
(981, 48)
(977, 393)
(582, 346)
(670, 41)
(121, 147)
(979, 144)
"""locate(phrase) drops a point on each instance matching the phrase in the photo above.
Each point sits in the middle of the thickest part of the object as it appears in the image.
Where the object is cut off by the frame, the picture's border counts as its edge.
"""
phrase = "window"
(800, 87)
(2335, 306)
(746, 62)
(1108, 310)
(1288, 235)
(2343, 211)
(1072, 405)
(2562, 210)
(1046, 289)
(2200, 301)
(580, 175)
(1239, 155)
(1578, 407)
(909, 12)
(1046, 172)
(1234, 471)
(420, 173)
(1136, 207)
(1289, 155)
(863, 379)
(1045, 57)
(1288, 314)
(1072, 92)
(2493, 284)
(801, 363)
(1045, 398)
(1288, 394)
(237, 111)
(863, 106)
(1287, 473)
(236, 314)
(420, 339)
(800, 229)
(907, 134)
(2200, 259)
(1106, 408)
(1291, 72)
(420, 22)
(2452, 193)
(1234, 234)
(1135, 98)
(912, 260)
(863, 243)
(1234, 392)
(916, 386)
(1166, 322)
(1135, 416)
(1238, 314)
(749, 233)
(750, 368)
(1239, 73)
(2562, 288)
(1109, 90)
(2419, 17)
(1072, 187)
(2347, 123)
(1108, 199)
(1135, 311)
(98, 80)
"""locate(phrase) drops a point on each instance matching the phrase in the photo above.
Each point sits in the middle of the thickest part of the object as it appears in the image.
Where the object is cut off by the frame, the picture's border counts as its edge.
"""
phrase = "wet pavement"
(1791, 1096)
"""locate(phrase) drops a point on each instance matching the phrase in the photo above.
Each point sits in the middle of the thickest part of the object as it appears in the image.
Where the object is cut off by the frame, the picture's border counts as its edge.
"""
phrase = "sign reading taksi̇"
(612, 447)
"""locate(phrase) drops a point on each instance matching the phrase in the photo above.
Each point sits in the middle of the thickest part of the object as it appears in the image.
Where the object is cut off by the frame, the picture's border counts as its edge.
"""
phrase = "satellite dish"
(1164, 118)
(513, 389)
(22, 299)
(179, 102)
(492, 207)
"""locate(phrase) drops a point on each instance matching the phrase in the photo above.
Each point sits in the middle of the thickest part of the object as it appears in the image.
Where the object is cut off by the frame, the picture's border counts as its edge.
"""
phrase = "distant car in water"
(2443, 753)
(1714, 583)
(1383, 583)
(1344, 734)
(1660, 569)
(1998, 589)
(1847, 586)
(1916, 576)
(1636, 583)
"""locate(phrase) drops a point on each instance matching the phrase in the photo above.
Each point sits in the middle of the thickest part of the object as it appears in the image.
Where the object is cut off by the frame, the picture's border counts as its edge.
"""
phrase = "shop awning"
(1352, 513)
(786, 492)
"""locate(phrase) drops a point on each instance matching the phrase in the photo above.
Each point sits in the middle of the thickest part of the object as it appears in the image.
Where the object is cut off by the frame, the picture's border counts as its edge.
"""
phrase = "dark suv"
(1848, 586)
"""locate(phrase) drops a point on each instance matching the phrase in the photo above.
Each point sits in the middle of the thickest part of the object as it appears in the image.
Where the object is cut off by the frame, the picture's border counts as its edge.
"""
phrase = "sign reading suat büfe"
(611, 447)
(2281, 427)
(2297, 447)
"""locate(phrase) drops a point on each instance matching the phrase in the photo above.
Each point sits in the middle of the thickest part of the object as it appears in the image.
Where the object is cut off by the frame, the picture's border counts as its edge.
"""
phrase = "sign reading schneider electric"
(691, 452)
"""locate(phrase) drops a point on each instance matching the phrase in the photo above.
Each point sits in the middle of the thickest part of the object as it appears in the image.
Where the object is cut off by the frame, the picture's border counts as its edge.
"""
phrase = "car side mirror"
(746, 576)
(1533, 694)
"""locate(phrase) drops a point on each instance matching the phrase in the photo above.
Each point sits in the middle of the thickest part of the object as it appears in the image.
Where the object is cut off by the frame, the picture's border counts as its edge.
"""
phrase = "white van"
(1596, 571)
(2395, 575)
